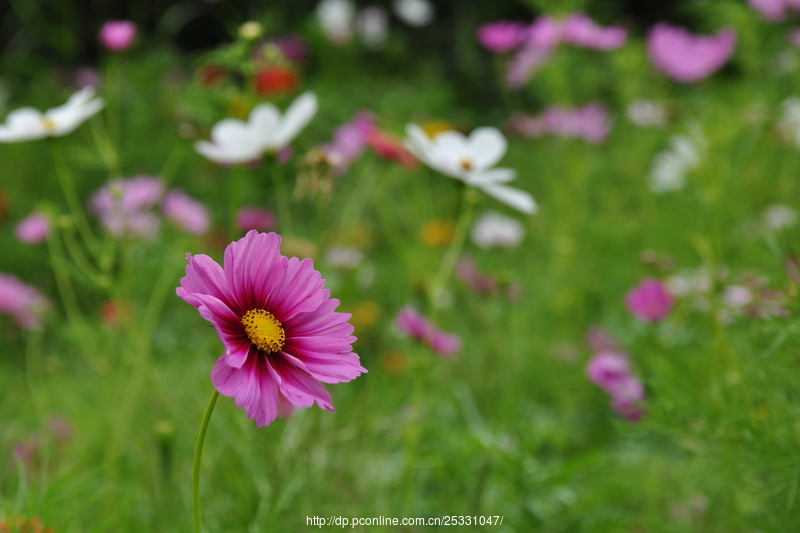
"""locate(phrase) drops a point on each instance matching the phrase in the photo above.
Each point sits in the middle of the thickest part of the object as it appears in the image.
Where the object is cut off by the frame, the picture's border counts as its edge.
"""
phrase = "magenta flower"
(627, 397)
(608, 370)
(413, 324)
(580, 30)
(254, 218)
(650, 301)
(186, 213)
(774, 10)
(118, 35)
(502, 36)
(24, 303)
(281, 333)
(688, 58)
(124, 206)
(33, 229)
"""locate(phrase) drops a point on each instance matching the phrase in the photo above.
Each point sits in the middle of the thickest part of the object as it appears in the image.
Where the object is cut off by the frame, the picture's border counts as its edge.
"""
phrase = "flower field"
(403, 266)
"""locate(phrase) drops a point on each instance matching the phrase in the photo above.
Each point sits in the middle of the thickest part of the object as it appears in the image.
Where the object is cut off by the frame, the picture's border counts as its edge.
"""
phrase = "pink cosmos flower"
(774, 10)
(627, 397)
(124, 206)
(689, 58)
(24, 303)
(186, 213)
(249, 218)
(545, 32)
(650, 301)
(34, 228)
(118, 35)
(348, 141)
(608, 370)
(580, 30)
(502, 36)
(600, 340)
(590, 122)
(282, 335)
(412, 323)
(468, 272)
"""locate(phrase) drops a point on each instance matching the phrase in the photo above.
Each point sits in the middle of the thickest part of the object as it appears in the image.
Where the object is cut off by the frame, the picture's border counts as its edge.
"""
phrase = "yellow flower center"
(264, 330)
(49, 124)
(466, 164)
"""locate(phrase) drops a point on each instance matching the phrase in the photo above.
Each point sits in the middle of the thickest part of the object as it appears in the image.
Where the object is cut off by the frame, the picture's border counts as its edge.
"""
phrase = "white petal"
(23, 124)
(516, 198)
(71, 115)
(295, 119)
(487, 147)
(227, 154)
(495, 175)
(263, 124)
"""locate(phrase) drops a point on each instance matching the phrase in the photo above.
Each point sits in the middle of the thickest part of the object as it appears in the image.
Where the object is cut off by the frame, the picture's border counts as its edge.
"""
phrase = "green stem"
(454, 250)
(198, 452)
(234, 199)
(282, 198)
(71, 194)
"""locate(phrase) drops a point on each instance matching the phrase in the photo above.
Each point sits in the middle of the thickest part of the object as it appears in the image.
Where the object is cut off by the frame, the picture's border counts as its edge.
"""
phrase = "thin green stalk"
(235, 199)
(64, 284)
(198, 453)
(454, 250)
(281, 197)
(71, 194)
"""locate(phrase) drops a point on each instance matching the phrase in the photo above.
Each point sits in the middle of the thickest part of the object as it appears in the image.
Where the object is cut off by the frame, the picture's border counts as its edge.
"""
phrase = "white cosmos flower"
(336, 18)
(26, 123)
(236, 141)
(470, 159)
(493, 230)
(415, 13)
(671, 166)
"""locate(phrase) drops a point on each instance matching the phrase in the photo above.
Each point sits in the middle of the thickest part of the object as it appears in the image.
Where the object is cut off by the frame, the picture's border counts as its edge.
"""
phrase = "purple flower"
(350, 141)
(590, 122)
(688, 58)
(186, 213)
(525, 64)
(608, 370)
(124, 206)
(118, 35)
(649, 301)
(774, 10)
(34, 228)
(627, 397)
(24, 303)
(545, 32)
(254, 218)
(502, 36)
(580, 30)
(413, 324)
(282, 335)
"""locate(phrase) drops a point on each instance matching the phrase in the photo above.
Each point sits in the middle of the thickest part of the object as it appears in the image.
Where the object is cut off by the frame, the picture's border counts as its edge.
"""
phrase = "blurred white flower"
(344, 257)
(670, 166)
(493, 230)
(470, 159)
(336, 18)
(235, 141)
(26, 123)
(647, 114)
(373, 26)
(737, 296)
(790, 119)
(416, 13)
(778, 216)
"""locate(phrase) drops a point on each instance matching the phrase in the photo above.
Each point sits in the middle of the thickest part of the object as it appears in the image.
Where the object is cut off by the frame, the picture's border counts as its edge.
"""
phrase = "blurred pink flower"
(186, 213)
(502, 36)
(415, 325)
(525, 64)
(686, 57)
(23, 302)
(124, 206)
(650, 301)
(590, 122)
(580, 30)
(349, 141)
(627, 397)
(118, 35)
(600, 340)
(281, 332)
(545, 32)
(254, 218)
(608, 370)
(34, 228)
(86, 77)
(774, 10)
(467, 271)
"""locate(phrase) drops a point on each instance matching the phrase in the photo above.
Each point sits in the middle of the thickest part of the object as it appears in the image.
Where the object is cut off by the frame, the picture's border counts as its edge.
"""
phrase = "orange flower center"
(264, 330)
(49, 124)
(466, 164)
